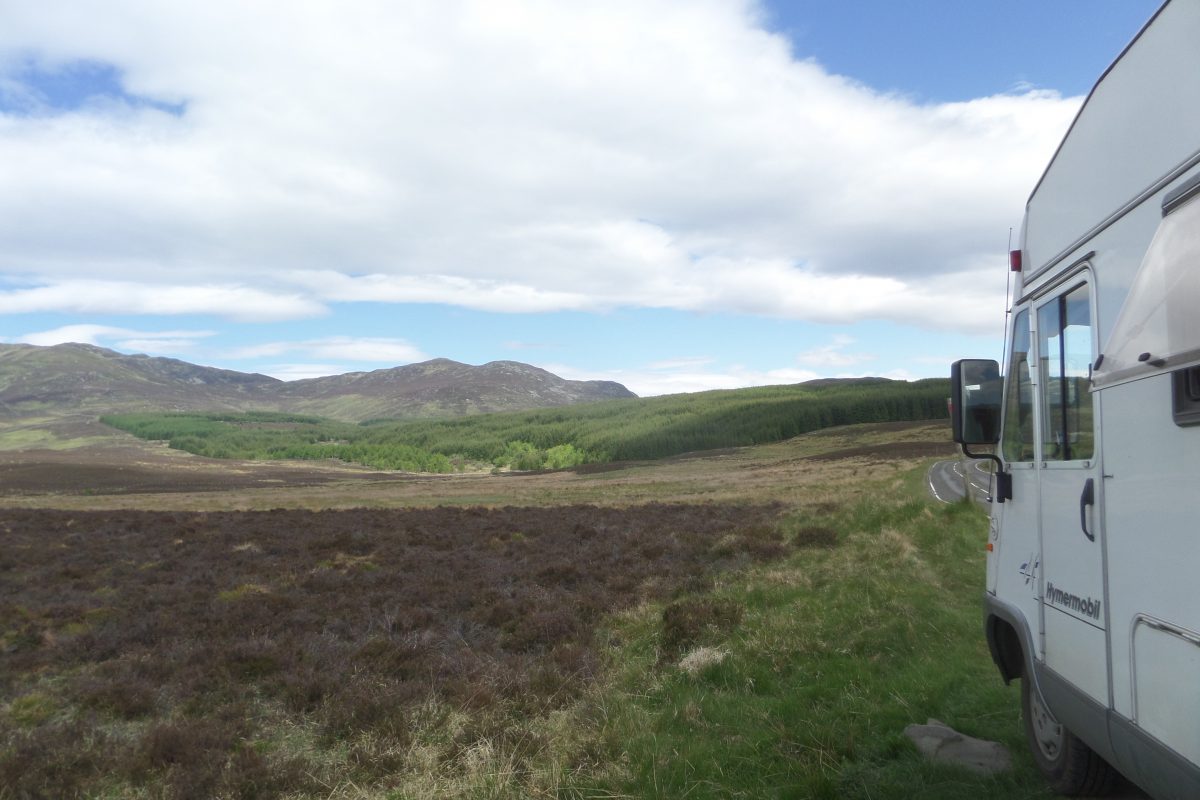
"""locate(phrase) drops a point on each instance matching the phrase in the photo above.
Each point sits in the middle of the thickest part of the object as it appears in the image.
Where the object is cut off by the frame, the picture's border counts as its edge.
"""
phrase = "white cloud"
(834, 354)
(520, 156)
(81, 334)
(479, 294)
(382, 350)
(896, 375)
(124, 338)
(154, 345)
(297, 372)
(82, 296)
(685, 375)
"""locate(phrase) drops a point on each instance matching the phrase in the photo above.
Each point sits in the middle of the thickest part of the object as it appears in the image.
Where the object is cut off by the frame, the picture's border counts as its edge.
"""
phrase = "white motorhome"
(1093, 570)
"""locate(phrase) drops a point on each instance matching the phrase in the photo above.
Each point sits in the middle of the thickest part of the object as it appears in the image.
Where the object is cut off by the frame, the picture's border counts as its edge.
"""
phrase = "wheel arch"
(1008, 639)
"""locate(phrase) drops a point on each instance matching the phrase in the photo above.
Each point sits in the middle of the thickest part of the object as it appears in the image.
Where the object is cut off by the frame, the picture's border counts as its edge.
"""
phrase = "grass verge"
(835, 651)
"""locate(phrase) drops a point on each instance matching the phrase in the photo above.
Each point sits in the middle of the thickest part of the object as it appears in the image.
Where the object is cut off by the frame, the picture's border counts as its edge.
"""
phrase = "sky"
(678, 195)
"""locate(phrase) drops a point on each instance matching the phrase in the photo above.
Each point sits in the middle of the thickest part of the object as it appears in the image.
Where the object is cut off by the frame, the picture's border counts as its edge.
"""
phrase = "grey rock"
(940, 743)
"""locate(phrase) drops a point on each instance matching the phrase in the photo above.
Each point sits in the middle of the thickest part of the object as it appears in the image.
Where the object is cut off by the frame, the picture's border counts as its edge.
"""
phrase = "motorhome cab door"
(1072, 569)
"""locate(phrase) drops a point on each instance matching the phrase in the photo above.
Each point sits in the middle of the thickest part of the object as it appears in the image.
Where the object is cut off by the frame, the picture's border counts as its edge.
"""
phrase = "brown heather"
(174, 650)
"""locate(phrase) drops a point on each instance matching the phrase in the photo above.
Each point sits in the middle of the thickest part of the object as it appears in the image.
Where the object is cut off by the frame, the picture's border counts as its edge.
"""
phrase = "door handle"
(1086, 499)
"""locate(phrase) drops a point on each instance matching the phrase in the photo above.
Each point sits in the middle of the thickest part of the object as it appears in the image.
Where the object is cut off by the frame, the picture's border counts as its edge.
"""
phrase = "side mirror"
(976, 391)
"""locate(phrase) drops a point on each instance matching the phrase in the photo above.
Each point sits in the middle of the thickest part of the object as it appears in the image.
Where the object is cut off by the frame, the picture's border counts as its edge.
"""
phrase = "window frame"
(1054, 294)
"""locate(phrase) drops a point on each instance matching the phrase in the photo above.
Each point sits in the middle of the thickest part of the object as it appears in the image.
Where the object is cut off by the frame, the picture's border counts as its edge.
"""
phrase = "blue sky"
(942, 50)
(676, 195)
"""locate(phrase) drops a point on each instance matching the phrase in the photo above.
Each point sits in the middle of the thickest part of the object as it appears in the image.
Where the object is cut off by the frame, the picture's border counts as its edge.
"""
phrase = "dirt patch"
(182, 625)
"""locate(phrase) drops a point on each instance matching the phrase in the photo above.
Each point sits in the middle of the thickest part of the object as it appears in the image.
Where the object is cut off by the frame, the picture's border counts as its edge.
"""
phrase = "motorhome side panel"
(1151, 443)
(1151, 482)
(1151, 476)
(1141, 448)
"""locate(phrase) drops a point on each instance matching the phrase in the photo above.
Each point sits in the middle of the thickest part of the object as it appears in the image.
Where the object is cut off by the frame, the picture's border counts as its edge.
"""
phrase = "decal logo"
(1080, 605)
(1029, 569)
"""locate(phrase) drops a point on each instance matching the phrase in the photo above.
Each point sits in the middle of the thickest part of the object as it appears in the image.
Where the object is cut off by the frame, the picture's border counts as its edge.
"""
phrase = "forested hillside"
(617, 430)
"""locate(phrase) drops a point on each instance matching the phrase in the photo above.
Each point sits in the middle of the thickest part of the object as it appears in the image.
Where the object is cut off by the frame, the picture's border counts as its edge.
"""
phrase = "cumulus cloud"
(524, 155)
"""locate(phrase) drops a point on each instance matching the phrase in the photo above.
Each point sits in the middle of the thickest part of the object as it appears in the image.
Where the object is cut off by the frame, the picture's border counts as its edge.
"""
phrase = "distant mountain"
(80, 378)
(439, 388)
(85, 378)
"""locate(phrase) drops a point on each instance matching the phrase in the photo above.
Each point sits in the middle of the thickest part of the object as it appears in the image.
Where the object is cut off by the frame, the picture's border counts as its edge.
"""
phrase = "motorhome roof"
(1138, 129)
(1087, 99)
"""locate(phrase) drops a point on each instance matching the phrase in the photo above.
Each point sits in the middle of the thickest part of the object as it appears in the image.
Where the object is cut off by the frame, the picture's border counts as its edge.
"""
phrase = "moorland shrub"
(168, 653)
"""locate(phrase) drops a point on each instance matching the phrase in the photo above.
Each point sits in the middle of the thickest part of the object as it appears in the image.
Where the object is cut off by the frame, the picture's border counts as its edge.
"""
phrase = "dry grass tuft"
(702, 658)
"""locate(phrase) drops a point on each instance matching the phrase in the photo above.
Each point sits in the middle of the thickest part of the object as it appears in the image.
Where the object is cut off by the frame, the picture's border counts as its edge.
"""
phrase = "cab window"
(1065, 357)
(1016, 442)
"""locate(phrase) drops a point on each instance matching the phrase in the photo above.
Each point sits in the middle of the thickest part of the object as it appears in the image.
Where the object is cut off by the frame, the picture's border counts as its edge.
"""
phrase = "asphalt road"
(948, 480)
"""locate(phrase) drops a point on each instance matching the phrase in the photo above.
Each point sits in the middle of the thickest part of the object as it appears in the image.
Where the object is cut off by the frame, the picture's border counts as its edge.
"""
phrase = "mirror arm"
(1003, 479)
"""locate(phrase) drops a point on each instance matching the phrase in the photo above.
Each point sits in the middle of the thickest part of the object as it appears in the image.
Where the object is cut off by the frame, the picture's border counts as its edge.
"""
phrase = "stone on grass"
(940, 743)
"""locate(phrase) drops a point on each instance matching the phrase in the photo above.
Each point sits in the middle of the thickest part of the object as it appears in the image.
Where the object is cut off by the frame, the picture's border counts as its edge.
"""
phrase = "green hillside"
(618, 430)
(75, 379)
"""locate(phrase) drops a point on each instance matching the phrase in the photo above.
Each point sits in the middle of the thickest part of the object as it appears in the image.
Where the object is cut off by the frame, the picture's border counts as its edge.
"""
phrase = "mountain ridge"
(84, 378)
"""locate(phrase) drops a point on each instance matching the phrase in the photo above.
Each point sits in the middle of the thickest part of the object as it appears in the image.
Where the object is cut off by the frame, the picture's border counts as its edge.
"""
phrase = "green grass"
(27, 435)
(837, 651)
